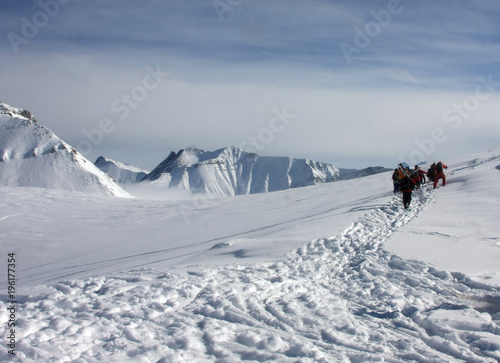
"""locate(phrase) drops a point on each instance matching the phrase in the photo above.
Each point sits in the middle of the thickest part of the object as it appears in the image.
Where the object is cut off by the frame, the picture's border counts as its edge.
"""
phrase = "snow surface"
(460, 231)
(33, 156)
(231, 171)
(337, 272)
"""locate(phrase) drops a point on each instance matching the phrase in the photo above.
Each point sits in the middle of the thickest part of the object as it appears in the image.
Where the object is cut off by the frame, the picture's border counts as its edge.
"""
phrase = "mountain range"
(231, 171)
(31, 155)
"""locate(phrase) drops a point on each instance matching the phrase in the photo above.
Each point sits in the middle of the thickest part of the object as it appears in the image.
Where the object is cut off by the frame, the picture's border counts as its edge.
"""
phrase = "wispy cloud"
(301, 33)
(235, 70)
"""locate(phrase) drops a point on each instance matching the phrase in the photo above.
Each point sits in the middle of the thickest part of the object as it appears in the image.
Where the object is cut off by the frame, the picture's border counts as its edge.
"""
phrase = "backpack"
(404, 184)
(401, 174)
(439, 167)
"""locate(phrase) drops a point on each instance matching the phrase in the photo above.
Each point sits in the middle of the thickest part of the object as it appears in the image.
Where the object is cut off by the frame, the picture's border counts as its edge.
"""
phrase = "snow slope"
(314, 274)
(231, 171)
(122, 173)
(464, 220)
(33, 156)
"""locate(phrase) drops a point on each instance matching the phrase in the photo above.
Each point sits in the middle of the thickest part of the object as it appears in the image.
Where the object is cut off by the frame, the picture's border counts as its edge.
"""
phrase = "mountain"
(31, 155)
(346, 174)
(232, 171)
(122, 173)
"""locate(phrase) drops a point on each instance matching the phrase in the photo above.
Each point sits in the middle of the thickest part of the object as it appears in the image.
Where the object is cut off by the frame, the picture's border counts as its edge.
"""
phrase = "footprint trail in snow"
(342, 299)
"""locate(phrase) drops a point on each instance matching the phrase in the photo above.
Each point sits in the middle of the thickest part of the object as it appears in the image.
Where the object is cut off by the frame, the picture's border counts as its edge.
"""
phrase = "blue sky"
(367, 82)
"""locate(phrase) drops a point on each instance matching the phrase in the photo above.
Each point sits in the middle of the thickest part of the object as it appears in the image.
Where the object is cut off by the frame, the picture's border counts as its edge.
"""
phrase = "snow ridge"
(122, 173)
(17, 112)
(232, 171)
(343, 298)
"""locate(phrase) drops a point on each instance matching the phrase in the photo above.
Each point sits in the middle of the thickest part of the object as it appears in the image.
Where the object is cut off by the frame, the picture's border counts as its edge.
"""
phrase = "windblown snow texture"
(343, 298)
(231, 171)
(122, 173)
(33, 156)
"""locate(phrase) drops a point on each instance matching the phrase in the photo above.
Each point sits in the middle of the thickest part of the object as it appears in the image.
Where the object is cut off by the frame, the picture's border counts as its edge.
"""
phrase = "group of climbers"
(406, 180)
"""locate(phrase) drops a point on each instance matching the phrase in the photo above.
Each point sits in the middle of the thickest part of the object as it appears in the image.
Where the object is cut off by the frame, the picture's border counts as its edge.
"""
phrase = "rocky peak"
(12, 111)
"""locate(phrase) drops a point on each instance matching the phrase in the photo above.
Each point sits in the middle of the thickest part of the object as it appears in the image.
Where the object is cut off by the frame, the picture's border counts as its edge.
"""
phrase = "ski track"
(343, 299)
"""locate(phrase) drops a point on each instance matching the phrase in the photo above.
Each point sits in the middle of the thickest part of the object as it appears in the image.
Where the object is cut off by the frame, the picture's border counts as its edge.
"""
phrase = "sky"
(352, 83)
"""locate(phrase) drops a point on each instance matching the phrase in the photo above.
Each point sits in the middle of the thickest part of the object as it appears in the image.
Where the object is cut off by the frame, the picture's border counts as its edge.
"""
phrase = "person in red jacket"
(421, 174)
(418, 176)
(440, 174)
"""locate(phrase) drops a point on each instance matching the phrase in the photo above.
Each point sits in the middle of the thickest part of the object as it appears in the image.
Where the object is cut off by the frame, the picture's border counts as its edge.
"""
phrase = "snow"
(231, 171)
(31, 155)
(337, 272)
(345, 174)
(122, 173)
(464, 220)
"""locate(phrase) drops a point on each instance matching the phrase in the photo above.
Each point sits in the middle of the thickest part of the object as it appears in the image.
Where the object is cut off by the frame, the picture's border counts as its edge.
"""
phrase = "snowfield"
(337, 272)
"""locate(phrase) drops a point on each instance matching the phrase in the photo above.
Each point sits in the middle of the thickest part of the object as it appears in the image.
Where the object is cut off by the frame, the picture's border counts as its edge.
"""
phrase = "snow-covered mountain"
(231, 171)
(31, 155)
(346, 174)
(122, 173)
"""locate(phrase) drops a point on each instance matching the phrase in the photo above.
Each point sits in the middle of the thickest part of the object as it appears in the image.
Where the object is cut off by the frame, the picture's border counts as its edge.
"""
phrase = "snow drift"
(31, 155)
(231, 171)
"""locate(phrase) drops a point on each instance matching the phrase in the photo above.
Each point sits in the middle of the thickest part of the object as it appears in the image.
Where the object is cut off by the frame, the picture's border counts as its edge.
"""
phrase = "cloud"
(226, 76)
